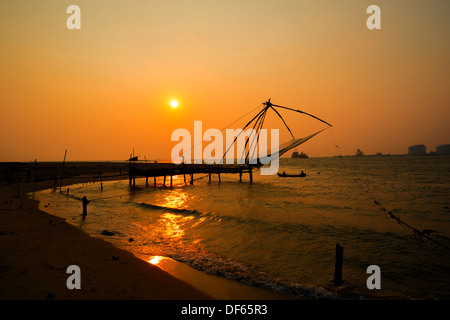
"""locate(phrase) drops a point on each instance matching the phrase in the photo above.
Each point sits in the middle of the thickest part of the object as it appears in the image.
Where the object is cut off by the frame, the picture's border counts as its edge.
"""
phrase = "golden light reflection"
(175, 199)
(172, 227)
(155, 260)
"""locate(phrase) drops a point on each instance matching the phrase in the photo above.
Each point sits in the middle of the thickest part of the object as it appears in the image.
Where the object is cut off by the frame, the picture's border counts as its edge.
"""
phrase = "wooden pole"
(146, 172)
(35, 176)
(62, 171)
(101, 179)
(209, 172)
(240, 175)
(134, 172)
(251, 174)
(171, 181)
(338, 265)
(192, 179)
(129, 171)
(164, 181)
(154, 181)
(35, 171)
(218, 173)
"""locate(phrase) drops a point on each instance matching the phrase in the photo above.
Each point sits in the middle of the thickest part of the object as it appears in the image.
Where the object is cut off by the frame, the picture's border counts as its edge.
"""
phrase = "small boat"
(295, 155)
(303, 174)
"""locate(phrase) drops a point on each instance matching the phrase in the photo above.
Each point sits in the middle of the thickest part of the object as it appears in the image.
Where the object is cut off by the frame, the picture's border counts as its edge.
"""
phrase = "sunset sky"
(105, 89)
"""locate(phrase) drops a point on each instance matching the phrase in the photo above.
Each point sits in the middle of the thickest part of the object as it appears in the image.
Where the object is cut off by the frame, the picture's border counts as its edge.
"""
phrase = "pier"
(155, 170)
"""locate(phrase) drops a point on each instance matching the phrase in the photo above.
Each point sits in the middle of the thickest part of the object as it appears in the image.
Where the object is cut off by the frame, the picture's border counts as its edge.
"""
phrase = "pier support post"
(338, 265)
(251, 173)
(192, 179)
(218, 173)
(164, 181)
(130, 173)
(209, 172)
(240, 175)
(154, 181)
(171, 181)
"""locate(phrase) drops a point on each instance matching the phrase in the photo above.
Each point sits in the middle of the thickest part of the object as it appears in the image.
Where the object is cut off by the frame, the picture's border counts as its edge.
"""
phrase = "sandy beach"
(37, 248)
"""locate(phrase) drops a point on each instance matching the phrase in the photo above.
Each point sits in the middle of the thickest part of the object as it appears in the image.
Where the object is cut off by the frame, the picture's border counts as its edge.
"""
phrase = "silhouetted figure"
(85, 203)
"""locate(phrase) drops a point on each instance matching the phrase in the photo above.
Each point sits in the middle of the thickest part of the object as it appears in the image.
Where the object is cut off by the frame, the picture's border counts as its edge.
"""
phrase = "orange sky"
(103, 90)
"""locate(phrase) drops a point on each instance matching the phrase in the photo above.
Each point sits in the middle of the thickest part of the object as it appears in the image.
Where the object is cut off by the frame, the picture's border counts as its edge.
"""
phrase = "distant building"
(359, 153)
(417, 150)
(443, 149)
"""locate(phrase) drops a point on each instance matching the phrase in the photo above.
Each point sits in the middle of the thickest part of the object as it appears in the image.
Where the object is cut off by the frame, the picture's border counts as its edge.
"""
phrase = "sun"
(174, 103)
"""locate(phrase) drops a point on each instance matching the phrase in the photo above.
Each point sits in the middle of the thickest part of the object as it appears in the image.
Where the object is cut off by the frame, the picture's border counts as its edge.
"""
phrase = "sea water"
(281, 232)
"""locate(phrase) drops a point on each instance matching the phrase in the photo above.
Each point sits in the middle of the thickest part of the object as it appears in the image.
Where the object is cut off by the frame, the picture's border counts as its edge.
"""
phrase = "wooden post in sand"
(338, 265)
(35, 173)
(209, 172)
(154, 181)
(240, 175)
(129, 172)
(146, 172)
(171, 181)
(164, 181)
(101, 179)
(62, 171)
(192, 179)
(218, 173)
(251, 173)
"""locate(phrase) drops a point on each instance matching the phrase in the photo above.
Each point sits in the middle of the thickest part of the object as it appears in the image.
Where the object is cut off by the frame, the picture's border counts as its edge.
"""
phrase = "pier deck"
(170, 169)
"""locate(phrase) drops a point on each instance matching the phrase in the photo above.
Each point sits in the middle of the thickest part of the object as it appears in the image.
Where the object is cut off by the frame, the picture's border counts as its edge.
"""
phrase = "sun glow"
(174, 103)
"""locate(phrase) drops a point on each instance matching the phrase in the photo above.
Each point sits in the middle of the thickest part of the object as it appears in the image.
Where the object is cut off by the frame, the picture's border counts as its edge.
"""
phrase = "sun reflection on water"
(176, 199)
(173, 224)
(156, 259)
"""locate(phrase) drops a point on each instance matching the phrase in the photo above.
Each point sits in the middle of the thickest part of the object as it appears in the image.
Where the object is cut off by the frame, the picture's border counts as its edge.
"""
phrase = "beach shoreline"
(37, 248)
